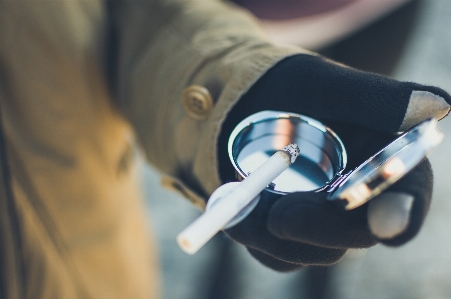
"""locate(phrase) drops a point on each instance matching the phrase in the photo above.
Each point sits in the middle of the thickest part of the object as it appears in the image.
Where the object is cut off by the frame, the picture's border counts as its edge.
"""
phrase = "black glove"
(365, 110)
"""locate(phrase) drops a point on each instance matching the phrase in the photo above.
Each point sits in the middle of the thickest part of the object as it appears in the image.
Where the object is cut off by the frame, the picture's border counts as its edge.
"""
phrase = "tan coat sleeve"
(207, 43)
(81, 224)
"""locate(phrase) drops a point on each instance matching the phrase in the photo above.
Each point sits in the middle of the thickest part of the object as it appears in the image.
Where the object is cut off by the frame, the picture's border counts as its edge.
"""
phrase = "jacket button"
(197, 101)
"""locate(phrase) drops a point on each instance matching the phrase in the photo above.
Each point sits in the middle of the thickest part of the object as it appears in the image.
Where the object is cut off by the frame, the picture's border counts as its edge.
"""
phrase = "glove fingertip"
(389, 214)
(417, 183)
(423, 105)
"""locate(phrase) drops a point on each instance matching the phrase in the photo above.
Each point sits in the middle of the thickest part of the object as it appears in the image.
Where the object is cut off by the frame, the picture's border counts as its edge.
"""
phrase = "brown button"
(197, 101)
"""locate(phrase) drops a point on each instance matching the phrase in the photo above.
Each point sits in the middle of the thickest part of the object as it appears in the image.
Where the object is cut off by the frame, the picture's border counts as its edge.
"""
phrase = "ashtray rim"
(265, 116)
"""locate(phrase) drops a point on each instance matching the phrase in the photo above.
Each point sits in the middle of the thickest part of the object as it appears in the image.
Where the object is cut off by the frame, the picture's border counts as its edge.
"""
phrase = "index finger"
(328, 91)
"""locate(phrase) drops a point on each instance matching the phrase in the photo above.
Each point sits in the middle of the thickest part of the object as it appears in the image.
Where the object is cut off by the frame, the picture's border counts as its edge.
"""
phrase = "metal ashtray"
(323, 156)
(322, 159)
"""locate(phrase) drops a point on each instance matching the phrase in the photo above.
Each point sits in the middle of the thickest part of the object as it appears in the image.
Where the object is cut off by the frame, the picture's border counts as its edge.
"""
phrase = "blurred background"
(409, 41)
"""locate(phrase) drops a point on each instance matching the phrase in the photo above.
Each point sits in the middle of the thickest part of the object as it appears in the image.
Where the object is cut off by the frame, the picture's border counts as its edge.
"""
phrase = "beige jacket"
(75, 227)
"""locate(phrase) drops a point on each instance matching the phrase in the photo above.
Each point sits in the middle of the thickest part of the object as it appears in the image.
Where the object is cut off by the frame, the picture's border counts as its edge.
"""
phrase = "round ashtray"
(322, 154)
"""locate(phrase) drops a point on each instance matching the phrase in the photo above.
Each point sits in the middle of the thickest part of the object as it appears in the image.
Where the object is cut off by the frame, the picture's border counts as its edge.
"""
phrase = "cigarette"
(192, 238)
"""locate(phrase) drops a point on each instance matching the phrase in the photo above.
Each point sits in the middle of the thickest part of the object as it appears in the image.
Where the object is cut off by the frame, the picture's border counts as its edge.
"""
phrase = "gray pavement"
(420, 269)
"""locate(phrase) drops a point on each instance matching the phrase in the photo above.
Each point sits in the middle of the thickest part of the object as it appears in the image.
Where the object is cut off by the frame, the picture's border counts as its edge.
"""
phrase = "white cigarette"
(192, 238)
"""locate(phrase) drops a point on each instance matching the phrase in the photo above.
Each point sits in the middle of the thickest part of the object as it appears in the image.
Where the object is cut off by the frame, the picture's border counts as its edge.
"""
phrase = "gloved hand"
(365, 110)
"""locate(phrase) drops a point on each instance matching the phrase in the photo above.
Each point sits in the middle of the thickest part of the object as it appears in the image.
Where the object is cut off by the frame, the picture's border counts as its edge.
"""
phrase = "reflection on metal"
(322, 154)
(323, 157)
(388, 165)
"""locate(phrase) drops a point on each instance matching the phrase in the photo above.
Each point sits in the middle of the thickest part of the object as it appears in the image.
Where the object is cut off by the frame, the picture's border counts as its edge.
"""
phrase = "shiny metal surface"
(322, 154)
(388, 165)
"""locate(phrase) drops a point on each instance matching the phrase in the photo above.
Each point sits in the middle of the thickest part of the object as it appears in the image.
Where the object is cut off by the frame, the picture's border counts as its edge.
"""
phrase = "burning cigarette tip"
(293, 150)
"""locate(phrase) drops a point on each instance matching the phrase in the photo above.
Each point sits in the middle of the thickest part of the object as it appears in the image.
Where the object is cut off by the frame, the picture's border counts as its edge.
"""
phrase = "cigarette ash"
(293, 150)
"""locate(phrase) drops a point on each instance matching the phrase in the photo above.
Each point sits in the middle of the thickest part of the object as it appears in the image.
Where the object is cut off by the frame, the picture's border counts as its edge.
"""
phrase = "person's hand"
(365, 110)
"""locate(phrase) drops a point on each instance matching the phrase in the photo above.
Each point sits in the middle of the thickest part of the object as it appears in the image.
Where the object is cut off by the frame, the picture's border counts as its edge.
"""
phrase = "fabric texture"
(227, 58)
(74, 177)
(81, 79)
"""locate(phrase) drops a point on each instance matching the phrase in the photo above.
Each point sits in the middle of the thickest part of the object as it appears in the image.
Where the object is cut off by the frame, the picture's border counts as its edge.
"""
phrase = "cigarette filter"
(192, 238)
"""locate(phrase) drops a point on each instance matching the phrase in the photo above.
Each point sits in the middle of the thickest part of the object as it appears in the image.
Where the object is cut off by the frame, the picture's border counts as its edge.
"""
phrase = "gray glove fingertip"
(389, 214)
(423, 105)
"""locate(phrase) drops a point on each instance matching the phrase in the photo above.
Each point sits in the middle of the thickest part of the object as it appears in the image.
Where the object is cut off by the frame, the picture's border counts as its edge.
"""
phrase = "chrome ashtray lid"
(388, 165)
